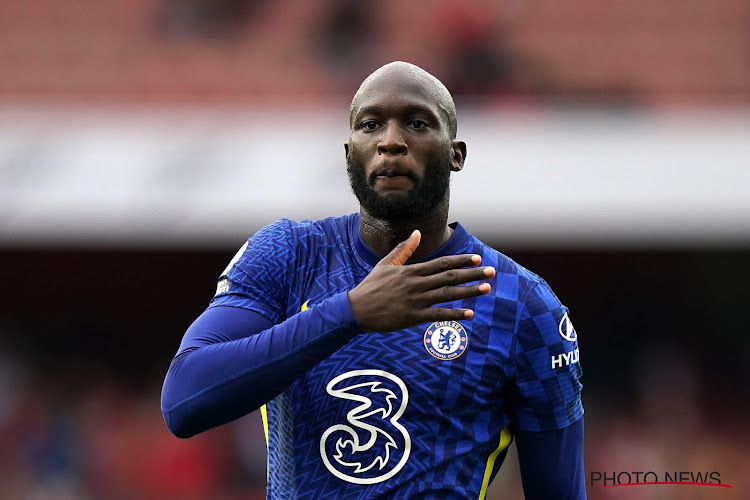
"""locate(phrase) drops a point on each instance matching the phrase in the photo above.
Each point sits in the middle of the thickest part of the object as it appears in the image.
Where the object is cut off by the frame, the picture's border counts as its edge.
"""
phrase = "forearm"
(551, 463)
(216, 383)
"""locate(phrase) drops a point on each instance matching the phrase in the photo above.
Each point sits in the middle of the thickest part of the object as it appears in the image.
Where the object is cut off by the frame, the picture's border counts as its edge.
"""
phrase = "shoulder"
(276, 252)
(291, 231)
(508, 270)
(330, 226)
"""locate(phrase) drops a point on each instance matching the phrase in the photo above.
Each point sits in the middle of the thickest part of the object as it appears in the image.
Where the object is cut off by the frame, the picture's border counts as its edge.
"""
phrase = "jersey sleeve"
(551, 463)
(258, 277)
(233, 360)
(547, 390)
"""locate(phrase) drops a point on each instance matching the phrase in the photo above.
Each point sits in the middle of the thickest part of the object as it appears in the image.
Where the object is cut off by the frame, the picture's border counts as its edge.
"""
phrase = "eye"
(418, 124)
(369, 125)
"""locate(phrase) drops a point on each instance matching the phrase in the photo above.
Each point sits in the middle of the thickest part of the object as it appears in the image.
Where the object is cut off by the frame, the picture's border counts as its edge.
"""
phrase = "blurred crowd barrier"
(199, 178)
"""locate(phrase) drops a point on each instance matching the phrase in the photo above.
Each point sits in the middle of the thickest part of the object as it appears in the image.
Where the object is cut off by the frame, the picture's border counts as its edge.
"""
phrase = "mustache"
(390, 168)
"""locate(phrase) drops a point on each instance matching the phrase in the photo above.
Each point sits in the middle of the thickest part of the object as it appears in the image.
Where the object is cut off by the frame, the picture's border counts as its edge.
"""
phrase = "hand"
(394, 296)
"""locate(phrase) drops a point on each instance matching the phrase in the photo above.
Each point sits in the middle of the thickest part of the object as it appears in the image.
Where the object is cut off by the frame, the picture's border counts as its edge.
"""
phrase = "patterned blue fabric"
(383, 416)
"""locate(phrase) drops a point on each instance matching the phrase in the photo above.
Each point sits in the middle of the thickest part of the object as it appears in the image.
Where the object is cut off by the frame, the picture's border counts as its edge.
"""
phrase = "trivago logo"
(650, 478)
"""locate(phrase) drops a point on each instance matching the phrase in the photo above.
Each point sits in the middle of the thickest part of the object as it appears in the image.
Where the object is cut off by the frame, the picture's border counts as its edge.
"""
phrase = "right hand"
(394, 296)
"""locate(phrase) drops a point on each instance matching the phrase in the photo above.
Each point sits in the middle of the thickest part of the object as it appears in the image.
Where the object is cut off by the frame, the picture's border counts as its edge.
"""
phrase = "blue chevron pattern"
(455, 410)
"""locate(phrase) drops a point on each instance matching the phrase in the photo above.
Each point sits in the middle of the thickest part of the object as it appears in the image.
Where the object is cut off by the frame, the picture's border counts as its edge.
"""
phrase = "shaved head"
(406, 71)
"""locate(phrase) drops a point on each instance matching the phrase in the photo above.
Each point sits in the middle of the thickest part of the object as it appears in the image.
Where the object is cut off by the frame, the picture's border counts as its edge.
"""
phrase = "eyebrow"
(409, 109)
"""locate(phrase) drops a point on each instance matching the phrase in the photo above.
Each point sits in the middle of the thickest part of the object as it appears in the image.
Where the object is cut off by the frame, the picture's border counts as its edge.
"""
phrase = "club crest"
(446, 340)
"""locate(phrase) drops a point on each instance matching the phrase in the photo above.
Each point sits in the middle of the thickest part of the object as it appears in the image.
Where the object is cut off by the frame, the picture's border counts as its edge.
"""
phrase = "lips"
(388, 169)
(391, 174)
(393, 183)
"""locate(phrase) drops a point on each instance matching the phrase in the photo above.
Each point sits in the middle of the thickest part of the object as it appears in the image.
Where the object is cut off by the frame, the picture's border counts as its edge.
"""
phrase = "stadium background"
(142, 141)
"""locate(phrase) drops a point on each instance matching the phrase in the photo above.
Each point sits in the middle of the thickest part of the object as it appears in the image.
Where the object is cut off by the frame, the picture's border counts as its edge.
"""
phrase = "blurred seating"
(658, 52)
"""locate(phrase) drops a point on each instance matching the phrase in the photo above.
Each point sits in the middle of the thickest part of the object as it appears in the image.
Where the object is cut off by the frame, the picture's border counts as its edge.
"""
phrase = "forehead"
(397, 93)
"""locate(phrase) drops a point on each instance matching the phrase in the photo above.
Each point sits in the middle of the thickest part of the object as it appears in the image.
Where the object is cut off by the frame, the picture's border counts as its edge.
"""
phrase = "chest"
(438, 366)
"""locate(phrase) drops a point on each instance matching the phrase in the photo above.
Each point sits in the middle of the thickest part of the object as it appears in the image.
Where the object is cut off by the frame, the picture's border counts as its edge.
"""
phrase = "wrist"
(353, 301)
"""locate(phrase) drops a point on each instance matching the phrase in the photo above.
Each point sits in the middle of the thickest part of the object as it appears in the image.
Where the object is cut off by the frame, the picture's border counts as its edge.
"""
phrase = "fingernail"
(484, 287)
(489, 271)
(468, 313)
(476, 259)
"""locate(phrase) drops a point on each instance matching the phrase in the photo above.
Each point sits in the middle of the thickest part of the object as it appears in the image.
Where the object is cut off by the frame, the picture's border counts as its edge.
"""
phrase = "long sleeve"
(233, 360)
(551, 463)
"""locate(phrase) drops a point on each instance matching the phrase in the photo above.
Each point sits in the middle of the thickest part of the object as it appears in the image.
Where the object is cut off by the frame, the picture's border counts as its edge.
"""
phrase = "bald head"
(403, 71)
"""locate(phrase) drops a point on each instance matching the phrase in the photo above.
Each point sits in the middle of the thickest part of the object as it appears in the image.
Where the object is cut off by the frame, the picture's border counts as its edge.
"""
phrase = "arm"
(231, 351)
(546, 407)
(551, 463)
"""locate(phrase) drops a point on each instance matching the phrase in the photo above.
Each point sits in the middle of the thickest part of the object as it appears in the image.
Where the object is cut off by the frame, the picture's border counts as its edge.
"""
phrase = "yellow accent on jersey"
(504, 442)
(263, 411)
(264, 415)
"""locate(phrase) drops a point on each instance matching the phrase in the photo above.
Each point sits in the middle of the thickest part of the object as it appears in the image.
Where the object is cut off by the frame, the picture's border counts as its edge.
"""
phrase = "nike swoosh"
(304, 306)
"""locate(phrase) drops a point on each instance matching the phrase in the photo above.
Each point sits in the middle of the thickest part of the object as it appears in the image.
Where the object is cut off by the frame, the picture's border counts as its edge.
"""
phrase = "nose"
(392, 141)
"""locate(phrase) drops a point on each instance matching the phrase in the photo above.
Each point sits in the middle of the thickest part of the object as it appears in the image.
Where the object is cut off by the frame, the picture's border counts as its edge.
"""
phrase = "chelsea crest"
(446, 340)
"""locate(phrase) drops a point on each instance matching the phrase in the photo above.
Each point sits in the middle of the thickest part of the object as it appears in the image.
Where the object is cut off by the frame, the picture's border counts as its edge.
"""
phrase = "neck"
(382, 236)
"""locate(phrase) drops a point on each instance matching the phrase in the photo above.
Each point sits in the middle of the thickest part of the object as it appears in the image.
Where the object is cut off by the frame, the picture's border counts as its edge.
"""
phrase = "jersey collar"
(453, 246)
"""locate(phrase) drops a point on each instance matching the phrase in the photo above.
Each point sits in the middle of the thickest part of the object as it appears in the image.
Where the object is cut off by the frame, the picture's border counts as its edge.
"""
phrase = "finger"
(445, 314)
(399, 255)
(441, 264)
(451, 293)
(457, 277)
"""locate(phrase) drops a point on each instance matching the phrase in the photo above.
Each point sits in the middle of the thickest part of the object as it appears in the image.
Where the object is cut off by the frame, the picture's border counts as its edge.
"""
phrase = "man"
(390, 363)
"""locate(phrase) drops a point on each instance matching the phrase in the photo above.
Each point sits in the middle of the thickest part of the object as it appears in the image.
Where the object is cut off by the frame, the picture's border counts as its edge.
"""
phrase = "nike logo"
(304, 306)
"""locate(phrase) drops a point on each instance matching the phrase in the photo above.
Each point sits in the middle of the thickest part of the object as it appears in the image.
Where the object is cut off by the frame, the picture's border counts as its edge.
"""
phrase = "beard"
(426, 195)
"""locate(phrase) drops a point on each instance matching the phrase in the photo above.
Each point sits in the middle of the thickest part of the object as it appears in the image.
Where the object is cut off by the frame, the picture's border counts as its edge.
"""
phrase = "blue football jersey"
(422, 412)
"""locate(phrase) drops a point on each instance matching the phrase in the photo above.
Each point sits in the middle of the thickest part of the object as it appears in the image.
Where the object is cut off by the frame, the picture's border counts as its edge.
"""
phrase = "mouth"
(392, 176)
(397, 182)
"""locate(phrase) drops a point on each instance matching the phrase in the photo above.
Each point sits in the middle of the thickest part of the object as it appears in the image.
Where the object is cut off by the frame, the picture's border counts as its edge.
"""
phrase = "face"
(400, 153)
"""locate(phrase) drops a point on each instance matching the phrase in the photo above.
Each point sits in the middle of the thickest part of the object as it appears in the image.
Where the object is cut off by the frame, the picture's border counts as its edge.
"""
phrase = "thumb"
(399, 255)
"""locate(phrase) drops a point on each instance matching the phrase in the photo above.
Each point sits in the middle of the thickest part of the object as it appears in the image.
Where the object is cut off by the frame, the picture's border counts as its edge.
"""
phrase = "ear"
(459, 155)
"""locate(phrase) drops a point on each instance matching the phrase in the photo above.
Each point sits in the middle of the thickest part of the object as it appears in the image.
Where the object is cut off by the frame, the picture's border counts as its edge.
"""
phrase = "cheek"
(353, 153)
(360, 151)
(434, 151)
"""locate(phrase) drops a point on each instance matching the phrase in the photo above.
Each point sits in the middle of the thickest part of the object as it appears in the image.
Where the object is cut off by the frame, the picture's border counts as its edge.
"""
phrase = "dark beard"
(414, 205)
